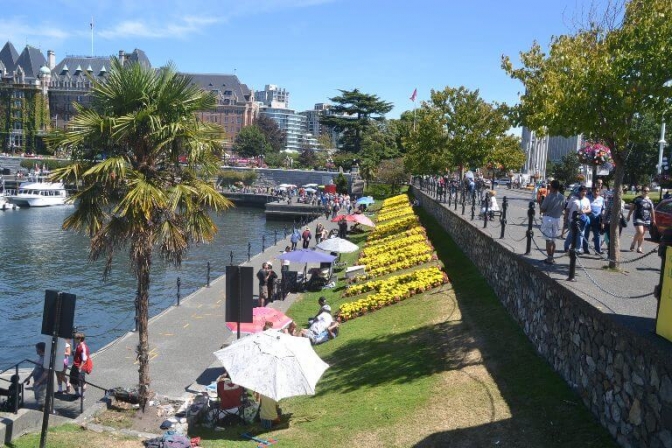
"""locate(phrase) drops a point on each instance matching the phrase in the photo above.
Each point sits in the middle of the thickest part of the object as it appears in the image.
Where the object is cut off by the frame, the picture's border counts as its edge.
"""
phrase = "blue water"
(36, 254)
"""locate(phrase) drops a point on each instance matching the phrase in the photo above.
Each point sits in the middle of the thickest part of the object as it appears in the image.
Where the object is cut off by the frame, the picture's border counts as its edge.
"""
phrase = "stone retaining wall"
(623, 378)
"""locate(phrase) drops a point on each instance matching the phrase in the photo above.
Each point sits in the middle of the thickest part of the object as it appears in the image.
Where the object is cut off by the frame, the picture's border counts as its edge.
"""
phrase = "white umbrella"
(337, 245)
(274, 364)
(310, 190)
(310, 186)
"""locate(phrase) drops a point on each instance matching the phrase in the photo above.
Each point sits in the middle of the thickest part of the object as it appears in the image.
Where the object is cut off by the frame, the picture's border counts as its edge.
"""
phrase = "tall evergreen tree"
(274, 135)
(353, 112)
(251, 142)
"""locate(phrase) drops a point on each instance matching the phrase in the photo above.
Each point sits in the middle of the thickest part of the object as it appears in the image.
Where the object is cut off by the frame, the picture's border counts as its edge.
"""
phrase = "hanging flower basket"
(595, 154)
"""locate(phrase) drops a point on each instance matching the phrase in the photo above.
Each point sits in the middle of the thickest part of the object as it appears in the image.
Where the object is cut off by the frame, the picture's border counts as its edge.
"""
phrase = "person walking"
(552, 207)
(61, 375)
(318, 233)
(77, 373)
(294, 239)
(39, 376)
(581, 205)
(596, 208)
(306, 236)
(645, 217)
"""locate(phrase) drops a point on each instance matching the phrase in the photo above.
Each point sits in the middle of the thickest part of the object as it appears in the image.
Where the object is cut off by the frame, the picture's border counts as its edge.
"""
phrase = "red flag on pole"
(415, 94)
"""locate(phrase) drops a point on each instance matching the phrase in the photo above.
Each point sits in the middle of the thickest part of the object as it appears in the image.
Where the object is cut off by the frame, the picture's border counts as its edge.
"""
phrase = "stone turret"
(51, 59)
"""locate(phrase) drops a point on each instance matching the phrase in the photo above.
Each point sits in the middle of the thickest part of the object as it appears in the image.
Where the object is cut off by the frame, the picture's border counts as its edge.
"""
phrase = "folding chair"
(229, 402)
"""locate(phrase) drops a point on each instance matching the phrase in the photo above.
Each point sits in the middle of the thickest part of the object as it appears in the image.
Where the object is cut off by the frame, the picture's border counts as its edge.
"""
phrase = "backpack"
(88, 366)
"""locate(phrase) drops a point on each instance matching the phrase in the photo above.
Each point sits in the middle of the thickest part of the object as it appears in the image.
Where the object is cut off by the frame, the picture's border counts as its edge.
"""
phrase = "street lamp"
(662, 143)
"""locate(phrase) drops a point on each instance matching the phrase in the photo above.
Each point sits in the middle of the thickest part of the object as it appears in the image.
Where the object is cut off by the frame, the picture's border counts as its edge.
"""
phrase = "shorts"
(263, 292)
(76, 376)
(641, 222)
(550, 227)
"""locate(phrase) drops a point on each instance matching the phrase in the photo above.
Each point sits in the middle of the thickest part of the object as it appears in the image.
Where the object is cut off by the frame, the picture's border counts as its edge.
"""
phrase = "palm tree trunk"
(143, 264)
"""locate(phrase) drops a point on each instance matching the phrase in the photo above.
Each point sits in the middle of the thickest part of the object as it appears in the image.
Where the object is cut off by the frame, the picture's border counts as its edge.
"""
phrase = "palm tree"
(142, 122)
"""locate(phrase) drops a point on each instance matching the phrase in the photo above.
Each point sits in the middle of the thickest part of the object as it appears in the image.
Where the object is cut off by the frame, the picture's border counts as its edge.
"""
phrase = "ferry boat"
(37, 192)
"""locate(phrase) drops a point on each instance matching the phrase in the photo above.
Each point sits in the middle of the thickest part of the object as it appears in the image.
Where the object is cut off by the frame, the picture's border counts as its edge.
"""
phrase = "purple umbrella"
(307, 256)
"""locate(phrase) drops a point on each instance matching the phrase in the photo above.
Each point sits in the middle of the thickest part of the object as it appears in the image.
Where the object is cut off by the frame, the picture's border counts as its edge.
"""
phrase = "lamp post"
(662, 143)
(661, 148)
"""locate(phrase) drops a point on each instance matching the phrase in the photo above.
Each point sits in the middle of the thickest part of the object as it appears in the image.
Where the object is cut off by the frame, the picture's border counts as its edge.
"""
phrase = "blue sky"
(312, 48)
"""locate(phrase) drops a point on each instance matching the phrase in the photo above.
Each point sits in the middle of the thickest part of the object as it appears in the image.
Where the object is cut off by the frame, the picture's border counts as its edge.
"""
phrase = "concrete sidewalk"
(182, 341)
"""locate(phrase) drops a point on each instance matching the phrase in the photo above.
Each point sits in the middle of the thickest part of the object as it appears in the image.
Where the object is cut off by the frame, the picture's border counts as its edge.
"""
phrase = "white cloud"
(158, 29)
(18, 31)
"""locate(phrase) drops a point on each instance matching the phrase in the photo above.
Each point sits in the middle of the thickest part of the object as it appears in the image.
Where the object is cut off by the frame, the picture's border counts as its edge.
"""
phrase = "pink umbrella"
(260, 316)
(363, 220)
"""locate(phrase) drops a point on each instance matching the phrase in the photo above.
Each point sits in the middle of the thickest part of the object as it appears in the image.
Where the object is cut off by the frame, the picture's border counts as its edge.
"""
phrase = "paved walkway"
(182, 341)
(627, 296)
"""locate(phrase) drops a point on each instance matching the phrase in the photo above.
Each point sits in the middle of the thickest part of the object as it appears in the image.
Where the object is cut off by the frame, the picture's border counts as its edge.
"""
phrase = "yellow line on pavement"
(186, 325)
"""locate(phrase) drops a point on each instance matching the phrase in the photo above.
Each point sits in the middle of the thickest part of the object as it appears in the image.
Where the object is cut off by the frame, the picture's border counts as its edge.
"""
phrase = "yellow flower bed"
(397, 214)
(393, 256)
(395, 200)
(392, 290)
(406, 263)
(394, 226)
(415, 230)
(393, 244)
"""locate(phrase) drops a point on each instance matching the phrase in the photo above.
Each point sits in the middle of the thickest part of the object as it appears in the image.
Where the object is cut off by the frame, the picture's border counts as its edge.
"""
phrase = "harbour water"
(36, 254)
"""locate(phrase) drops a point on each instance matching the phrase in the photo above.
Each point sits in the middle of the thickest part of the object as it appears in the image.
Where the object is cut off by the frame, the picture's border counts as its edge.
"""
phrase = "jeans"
(595, 224)
(579, 239)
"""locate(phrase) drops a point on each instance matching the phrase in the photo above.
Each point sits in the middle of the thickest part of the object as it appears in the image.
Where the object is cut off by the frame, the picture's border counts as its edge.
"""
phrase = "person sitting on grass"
(269, 411)
(318, 332)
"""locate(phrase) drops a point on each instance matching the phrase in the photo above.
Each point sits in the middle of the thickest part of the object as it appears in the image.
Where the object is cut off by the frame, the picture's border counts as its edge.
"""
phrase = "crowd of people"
(593, 207)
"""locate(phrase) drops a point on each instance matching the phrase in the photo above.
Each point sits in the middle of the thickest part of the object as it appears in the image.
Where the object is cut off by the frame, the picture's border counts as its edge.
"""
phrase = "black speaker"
(67, 316)
(239, 293)
(291, 279)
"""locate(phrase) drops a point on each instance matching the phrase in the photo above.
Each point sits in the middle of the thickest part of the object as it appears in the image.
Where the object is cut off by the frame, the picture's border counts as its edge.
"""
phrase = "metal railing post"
(231, 255)
(263, 243)
(487, 209)
(572, 246)
(464, 202)
(473, 204)
(502, 219)
(275, 237)
(208, 278)
(249, 251)
(530, 233)
(179, 283)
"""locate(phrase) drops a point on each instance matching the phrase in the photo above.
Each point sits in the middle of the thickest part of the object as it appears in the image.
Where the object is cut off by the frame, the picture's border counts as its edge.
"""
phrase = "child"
(39, 376)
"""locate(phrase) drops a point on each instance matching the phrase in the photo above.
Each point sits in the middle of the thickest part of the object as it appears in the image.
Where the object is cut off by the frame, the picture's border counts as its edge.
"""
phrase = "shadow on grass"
(397, 358)
(543, 408)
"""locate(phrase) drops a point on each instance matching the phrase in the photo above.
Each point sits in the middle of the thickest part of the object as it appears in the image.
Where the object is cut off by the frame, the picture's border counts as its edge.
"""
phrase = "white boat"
(5, 204)
(37, 192)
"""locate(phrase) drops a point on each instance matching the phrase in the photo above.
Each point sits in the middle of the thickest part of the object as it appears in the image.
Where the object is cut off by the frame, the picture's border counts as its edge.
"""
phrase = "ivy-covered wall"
(23, 109)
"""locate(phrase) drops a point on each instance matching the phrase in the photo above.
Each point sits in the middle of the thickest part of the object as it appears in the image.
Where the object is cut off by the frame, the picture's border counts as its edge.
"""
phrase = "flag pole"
(413, 96)
(91, 36)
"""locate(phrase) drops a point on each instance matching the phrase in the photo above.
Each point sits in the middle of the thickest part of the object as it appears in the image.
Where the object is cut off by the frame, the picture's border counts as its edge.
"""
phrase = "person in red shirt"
(77, 374)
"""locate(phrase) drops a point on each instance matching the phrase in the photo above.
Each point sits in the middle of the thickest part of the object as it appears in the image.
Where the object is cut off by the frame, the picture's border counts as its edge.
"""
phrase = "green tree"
(352, 115)
(392, 172)
(426, 151)
(341, 183)
(598, 80)
(307, 157)
(140, 197)
(567, 169)
(251, 142)
(274, 135)
(455, 129)
(506, 155)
